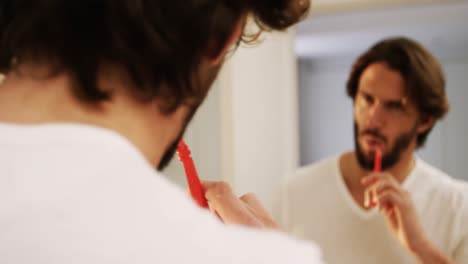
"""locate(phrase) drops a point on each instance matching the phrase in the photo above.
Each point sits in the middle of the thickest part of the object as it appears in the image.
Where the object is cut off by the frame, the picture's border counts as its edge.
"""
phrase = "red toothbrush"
(194, 184)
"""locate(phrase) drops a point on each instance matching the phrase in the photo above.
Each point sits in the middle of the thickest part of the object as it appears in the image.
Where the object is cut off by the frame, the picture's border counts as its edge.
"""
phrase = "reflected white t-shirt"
(315, 204)
(79, 194)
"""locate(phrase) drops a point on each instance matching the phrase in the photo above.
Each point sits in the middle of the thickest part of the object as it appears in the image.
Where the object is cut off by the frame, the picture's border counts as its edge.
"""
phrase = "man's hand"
(386, 193)
(246, 210)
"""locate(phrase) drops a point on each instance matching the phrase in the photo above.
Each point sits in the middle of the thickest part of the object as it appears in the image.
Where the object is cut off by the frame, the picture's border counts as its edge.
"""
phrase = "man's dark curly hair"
(159, 43)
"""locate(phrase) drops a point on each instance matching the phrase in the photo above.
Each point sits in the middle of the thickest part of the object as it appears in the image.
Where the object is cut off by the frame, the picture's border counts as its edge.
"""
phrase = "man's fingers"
(369, 180)
(377, 183)
(216, 189)
(246, 210)
(375, 177)
(389, 198)
(256, 207)
(252, 200)
(229, 208)
(367, 198)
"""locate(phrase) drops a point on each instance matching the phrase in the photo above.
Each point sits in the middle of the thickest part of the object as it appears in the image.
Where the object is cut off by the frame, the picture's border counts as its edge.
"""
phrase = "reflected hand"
(386, 193)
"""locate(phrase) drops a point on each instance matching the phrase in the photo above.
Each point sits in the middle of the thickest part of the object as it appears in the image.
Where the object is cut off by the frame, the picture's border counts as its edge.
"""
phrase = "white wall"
(455, 136)
(325, 111)
(264, 115)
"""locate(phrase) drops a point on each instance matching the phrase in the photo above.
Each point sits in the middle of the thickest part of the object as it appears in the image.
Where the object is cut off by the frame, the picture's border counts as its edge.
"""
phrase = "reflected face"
(383, 117)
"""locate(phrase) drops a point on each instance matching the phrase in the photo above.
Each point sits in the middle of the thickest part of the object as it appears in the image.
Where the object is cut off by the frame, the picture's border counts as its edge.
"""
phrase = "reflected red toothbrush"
(378, 159)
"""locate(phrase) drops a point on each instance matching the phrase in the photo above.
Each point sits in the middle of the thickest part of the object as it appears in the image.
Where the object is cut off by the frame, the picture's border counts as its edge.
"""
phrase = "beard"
(391, 157)
(169, 153)
(205, 84)
(171, 150)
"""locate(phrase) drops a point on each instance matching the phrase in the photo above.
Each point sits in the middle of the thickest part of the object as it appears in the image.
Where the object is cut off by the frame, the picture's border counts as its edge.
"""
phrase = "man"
(95, 96)
(410, 212)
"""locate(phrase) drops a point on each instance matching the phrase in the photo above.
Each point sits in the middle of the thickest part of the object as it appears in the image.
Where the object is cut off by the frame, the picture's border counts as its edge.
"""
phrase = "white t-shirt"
(316, 204)
(80, 194)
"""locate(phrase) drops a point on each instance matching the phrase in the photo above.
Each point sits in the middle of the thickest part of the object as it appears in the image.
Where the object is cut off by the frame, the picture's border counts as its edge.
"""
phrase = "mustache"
(373, 132)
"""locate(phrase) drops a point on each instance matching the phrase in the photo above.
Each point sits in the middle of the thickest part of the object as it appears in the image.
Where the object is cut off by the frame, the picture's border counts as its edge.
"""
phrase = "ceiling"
(338, 28)
(331, 6)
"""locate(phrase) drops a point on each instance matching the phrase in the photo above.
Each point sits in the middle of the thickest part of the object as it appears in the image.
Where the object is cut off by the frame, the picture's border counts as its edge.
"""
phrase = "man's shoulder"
(447, 190)
(317, 172)
(198, 230)
(98, 192)
(179, 222)
(268, 247)
(438, 179)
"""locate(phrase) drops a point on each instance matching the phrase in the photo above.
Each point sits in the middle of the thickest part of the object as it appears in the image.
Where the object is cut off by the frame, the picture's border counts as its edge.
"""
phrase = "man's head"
(398, 90)
(170, 51)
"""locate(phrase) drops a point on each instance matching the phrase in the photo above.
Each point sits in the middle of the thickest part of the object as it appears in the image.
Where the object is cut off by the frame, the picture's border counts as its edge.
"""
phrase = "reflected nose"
(375, 117)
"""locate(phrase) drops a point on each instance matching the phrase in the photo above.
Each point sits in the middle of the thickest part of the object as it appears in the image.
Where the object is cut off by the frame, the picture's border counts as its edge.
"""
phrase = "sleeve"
(460, 255)
(279, 248)
(461, 252)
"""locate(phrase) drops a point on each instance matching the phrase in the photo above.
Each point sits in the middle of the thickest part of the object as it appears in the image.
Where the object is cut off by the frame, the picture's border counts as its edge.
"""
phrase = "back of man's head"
(159, 43)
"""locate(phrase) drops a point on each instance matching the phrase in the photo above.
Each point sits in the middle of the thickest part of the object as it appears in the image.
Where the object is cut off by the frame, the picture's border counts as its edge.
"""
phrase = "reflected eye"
(366, 99)
(394, 106)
